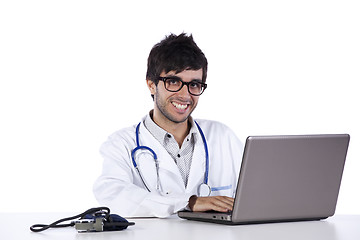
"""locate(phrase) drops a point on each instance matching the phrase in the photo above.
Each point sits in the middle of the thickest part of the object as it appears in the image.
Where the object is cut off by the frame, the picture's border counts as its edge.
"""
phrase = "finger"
(222, 204)
(226, 200)
(220, 208)
(229, 200)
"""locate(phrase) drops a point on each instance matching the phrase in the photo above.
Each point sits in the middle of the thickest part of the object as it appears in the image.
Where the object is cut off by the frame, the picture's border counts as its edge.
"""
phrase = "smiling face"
(174, 107)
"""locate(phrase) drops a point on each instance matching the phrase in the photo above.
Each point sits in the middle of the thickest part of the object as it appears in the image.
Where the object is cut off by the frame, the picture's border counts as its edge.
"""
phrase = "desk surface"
(344, 227)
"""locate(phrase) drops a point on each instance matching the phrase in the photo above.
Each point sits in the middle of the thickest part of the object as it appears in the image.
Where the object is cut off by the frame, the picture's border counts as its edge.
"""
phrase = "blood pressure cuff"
(96, 223)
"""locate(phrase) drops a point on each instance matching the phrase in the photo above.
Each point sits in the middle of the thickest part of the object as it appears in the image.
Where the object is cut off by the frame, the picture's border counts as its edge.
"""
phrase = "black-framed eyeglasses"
(175, 84)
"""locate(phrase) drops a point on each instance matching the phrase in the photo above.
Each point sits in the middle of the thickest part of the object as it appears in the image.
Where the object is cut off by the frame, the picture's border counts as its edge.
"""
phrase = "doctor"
(169, 161)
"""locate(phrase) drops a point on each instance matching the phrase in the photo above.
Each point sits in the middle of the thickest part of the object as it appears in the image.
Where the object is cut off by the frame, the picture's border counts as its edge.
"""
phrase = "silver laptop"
(285, 178)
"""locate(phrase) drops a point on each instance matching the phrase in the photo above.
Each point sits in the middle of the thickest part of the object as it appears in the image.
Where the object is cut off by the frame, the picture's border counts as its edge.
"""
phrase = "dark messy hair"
(175, 53)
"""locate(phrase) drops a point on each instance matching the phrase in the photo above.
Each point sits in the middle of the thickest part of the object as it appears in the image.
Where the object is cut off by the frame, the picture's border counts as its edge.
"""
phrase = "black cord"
(42, 227)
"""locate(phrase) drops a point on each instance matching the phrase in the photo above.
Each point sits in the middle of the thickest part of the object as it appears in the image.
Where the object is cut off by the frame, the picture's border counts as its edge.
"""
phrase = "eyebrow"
(176, 77)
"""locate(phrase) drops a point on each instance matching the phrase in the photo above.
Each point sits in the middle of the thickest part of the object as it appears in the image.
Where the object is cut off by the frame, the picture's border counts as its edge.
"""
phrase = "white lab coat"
(120, 188)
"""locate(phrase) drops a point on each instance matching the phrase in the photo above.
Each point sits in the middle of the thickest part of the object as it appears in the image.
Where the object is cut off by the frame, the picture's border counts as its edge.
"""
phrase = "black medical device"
(93, 220)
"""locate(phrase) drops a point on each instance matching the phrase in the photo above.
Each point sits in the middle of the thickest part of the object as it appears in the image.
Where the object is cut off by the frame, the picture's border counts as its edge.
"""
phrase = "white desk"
(346, 227)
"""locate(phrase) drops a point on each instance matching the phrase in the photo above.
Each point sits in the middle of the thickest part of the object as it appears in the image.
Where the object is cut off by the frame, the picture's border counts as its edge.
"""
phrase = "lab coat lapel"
(198, 164)
(167, 164)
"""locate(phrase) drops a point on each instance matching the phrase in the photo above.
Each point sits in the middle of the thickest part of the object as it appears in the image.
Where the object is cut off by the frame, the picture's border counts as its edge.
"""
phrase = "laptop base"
(229, 222)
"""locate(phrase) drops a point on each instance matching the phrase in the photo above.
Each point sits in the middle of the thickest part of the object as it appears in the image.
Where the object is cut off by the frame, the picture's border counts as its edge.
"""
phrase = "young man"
(166, 162)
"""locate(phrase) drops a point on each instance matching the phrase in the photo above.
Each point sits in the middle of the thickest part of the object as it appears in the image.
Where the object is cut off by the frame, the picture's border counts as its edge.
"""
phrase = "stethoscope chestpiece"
(204, 190)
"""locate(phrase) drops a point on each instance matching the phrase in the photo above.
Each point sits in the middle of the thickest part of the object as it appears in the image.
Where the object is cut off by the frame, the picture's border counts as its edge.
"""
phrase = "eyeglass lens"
(174, 85)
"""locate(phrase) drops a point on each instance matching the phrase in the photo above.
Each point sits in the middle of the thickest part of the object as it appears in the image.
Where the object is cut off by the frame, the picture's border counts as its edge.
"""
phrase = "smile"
(179, 106)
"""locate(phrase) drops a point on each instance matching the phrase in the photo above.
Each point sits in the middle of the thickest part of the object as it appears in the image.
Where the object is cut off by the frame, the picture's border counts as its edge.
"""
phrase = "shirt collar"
(160, 134)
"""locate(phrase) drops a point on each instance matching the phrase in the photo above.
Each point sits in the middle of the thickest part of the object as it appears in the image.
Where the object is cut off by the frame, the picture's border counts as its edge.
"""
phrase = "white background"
(73, 72)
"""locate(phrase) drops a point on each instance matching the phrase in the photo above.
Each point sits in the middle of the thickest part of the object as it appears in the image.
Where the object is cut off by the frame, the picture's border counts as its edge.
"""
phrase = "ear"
(151, 85)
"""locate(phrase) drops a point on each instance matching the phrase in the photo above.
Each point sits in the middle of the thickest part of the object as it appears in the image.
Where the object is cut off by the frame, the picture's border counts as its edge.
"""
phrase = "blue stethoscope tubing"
(204, 188)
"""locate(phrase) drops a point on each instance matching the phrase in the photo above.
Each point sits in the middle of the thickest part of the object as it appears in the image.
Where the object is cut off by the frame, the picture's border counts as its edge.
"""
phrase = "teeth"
(179, 106)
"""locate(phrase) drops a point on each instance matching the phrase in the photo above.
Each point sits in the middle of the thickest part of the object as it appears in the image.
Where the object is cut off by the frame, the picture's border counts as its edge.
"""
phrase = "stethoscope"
(203, 190)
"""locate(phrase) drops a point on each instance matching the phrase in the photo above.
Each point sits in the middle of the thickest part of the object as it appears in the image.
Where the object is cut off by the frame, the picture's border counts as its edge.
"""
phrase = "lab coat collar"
(160, 134)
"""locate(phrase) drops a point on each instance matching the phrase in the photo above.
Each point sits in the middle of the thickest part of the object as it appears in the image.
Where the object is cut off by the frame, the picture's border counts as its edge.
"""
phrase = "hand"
(216, 203)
